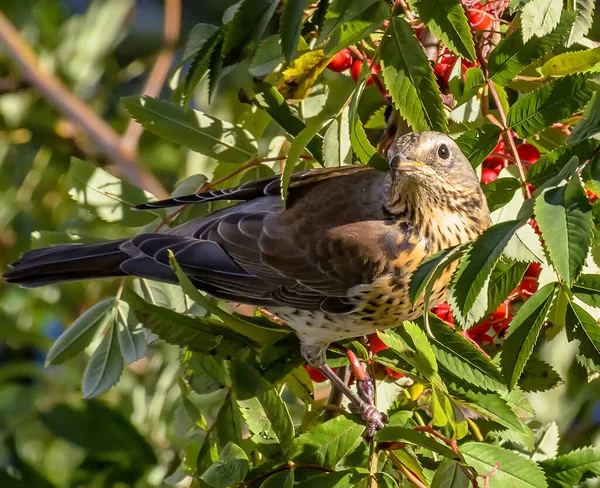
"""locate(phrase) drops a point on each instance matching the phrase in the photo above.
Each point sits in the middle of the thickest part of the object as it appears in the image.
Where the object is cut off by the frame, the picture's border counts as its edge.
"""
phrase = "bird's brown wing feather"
(331, 237)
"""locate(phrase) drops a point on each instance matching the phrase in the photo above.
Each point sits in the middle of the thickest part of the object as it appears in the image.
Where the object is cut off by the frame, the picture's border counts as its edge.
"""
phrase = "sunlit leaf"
(104, 367)
(539, 17)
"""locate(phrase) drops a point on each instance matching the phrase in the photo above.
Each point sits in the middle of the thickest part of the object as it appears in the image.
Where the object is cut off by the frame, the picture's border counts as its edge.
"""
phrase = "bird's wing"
(256, 189)
(333, 235)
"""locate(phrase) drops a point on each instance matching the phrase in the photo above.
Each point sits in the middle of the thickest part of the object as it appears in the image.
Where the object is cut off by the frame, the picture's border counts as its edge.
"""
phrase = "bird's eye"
(443, 151)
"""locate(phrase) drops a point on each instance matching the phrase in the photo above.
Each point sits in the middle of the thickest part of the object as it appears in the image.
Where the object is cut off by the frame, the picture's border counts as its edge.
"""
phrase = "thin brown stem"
(285, 467)
(160, 70)
(410, 476)
(123, 164)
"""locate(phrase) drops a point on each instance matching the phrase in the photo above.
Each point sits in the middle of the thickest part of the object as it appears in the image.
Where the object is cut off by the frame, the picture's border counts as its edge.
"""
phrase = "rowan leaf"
(79, 334)
(571, 62)
(105, 366)
(583, 21)
(476, 144)
(473, 272)
(589, 125)
(572, 468)
(229, 469)
(553, 102)
(193, 129)
(337, 149)
(499, 192)
(585, 329)
(512, 55)
(131, 334)
(587, 289)
(409, 78)
(505, 277)
(450, 475)
(291, 26)
(447, 20)
(523, 332)
(564, 216)
(512, 470)
(540, 17)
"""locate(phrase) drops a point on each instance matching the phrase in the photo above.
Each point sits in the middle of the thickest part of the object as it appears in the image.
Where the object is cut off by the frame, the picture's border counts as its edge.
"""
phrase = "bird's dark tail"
(67, 262)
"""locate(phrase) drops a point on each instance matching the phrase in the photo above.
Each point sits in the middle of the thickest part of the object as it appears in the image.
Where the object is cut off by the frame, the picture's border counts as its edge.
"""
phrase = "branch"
(160, 70)
(124, 164)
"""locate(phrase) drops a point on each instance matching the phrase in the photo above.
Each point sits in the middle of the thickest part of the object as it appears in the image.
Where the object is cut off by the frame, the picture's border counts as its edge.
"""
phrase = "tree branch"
(123, 164)
(160, 70)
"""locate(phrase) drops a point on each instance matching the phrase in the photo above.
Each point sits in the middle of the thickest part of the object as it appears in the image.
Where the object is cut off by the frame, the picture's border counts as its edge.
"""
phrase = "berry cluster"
(344, 60)
(494, 327)
(493, 164)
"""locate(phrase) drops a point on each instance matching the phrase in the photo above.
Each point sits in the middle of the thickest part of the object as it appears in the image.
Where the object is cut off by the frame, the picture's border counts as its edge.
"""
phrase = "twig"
(289, 465)
(123, 164)
(160, 70)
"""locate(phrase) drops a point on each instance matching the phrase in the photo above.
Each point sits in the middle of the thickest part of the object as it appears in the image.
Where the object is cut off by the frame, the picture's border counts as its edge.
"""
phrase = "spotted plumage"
(334, 264)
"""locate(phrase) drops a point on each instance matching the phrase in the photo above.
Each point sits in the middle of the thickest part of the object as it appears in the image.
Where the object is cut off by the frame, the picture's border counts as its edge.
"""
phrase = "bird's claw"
(372, 417)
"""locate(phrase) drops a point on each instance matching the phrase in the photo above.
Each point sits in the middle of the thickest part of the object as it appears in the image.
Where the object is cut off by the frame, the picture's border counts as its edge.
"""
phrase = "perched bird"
(335, 263)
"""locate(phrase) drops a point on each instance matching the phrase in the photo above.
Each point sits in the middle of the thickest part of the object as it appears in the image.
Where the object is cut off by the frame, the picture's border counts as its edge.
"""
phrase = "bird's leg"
(373, 418)
(364, 382)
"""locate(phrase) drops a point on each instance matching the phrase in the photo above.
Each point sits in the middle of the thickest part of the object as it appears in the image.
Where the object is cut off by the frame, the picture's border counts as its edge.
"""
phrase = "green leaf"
(512, 55)
(104, 367)
(267, 58)
(205, 374)
(298, 146)
(587, 289)
(565, 220)
(547, 438)
(514, 471)
(291, 26)
(361, 145)
(327, 443)
(525, 246)
(571, 469)
(473, 272)
(500, 192)
(538, 376)
(339, 479)
(173, 327)
(477, 144)
(583, 21)
(131, 334)
(229, 424)
(229, 469)
(422, 346)
(572, 62)
(473, 81)
(523, 332)
(550, 103)
(79, 334)
(299, 382)
(587, 332)
(284, 479)
(105, 195)
(589, 125)
(357, 22)
(450, 475)
(447, 20)
(504, 279)
(409, 78)
(199, 34)
(337, 149)
(550, 164)
(248, 24)
(275, 105)
(403, 434)
(193, 129)
(540, 17)
(458, 357)
(254, 333)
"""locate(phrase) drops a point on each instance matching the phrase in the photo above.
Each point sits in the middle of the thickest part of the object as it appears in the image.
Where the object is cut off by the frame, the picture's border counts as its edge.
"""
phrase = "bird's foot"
(372, 417)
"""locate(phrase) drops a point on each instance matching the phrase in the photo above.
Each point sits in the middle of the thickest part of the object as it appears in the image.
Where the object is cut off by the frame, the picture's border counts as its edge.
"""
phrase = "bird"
(333, 261)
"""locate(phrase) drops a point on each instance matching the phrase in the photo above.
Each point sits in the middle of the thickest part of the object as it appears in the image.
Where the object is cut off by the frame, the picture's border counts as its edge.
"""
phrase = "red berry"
(341, 61)
(444, 66)
(479, 332)
(500, 146)
(502, 325)
(315, 374)
(527, 287)
(443, 312)
(534, 270)
(503, 311)
(528, 153)
(376, 344)
(393, 374)
(479, 20)
(535, 226)
(495, 164)
(357, 67)
(488, 175)
(591, 196)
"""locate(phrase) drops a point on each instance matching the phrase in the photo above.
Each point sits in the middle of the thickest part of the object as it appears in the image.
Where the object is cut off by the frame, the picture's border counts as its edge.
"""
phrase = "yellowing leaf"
(299, 78)
(574, 62)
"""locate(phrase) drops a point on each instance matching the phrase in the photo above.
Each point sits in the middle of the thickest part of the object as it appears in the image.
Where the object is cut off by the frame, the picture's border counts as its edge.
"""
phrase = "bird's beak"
(398, 163)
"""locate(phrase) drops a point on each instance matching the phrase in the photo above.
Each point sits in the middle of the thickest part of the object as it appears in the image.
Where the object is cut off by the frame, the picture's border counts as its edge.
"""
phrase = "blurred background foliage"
(133, 435)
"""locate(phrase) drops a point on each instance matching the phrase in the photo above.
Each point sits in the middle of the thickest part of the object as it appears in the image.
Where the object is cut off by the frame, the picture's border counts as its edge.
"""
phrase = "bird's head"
(430, 162)
(428, 169)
